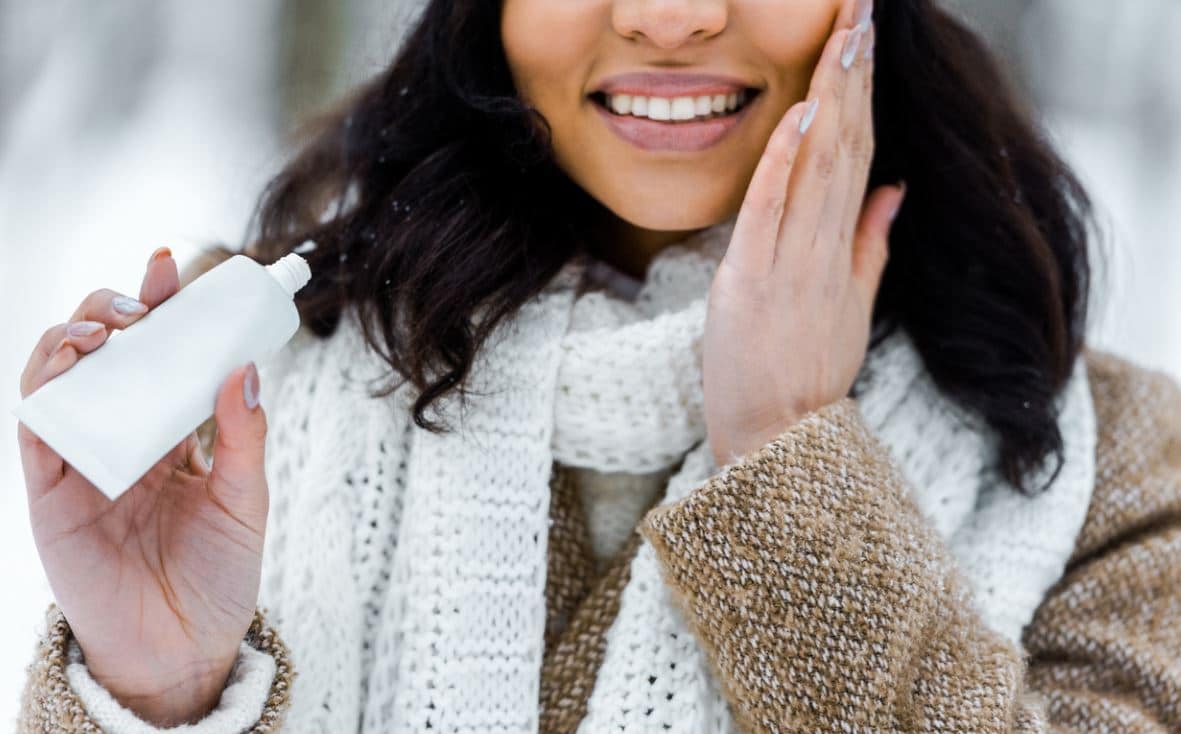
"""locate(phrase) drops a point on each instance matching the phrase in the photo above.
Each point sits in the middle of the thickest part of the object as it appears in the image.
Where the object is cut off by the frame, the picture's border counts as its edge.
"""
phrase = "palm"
(170, 568)
(747, 318)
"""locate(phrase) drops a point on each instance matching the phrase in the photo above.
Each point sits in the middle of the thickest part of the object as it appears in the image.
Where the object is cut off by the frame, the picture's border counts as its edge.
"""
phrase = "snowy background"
(130, 124)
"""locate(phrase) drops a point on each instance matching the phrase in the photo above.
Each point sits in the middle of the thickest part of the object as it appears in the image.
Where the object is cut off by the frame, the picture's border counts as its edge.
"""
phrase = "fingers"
(42, 465)
(756, 229)
(111, 308)
(62, 359)
(858, 137)
(827, 188)
(854, 13)
(161, 279)
(62, 345)
(58, 350)
(50, 343)
(94, 319)
(88, 329)
(237, 479)
(816, 165)
(871, 246)
(854, 154)
(195, 456)
(806, 172)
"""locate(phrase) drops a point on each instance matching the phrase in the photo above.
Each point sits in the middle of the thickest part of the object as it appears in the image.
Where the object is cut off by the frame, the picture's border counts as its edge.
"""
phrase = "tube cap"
(291, 271)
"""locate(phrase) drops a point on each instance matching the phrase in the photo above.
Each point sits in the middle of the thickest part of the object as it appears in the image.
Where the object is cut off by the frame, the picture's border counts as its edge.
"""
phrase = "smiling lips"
(672, 111)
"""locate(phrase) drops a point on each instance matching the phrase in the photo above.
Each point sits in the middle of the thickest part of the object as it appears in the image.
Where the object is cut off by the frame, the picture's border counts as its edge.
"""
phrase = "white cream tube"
(121, 408)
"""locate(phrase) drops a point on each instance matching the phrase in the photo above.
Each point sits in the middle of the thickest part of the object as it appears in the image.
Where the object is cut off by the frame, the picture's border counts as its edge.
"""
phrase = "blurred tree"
(312, 37)
(328, 47)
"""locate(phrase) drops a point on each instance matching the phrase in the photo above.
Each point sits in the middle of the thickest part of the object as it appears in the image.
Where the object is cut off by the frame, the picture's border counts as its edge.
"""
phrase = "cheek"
(547, 44)
(790, 35)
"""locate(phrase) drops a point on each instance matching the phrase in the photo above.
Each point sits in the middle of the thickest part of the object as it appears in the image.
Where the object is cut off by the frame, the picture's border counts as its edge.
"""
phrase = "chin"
(674, 214)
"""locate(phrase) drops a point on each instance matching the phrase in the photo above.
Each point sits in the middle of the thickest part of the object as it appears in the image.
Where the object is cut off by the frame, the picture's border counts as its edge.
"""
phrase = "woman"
(686, 491)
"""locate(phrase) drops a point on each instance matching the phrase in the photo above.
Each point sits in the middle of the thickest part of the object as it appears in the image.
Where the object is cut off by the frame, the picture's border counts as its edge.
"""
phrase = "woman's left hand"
(790, 307)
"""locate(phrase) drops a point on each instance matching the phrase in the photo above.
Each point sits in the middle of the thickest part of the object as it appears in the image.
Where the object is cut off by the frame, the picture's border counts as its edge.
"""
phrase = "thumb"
(871, 247)
(237, 477)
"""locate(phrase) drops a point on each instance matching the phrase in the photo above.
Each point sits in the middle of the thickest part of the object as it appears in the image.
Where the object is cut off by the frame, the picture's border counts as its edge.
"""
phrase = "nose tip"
(669, 23)
(668, 40)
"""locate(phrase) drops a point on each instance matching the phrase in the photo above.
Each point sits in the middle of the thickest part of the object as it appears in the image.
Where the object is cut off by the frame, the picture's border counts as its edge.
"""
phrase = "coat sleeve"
(826, 602)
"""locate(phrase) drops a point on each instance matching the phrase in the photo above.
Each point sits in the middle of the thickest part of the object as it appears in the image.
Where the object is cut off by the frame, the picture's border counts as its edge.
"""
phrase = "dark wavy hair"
(431, 206)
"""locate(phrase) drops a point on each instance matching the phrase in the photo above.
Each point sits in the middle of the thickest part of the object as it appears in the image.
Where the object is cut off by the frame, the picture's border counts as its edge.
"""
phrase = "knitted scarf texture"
(593, 380)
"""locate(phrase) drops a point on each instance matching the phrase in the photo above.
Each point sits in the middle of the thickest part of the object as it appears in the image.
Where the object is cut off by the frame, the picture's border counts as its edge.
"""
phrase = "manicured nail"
(869, 47)
(126, 305)
(83, 328)
(159, 253)
(809, 115)
(849, 52)
(898, 206)
(864, 14)
(250, 387)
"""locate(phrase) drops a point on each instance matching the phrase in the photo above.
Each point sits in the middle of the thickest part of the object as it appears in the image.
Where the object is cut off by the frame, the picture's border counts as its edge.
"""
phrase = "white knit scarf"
(594, 380)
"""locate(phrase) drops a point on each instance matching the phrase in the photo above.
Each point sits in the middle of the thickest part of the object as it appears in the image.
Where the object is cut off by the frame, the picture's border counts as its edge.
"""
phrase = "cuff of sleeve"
(829, 456)
(254, 700)
(241, 703)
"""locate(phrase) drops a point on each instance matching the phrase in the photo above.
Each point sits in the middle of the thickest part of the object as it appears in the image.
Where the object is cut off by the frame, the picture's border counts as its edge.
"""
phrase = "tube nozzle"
(291, 271)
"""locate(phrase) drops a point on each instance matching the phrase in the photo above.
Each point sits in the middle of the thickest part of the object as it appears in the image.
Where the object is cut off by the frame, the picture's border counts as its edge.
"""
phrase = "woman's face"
(670, 175)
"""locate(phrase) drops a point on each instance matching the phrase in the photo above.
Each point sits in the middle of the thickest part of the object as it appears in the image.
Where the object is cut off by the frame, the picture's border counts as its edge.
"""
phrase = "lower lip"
(682, 136)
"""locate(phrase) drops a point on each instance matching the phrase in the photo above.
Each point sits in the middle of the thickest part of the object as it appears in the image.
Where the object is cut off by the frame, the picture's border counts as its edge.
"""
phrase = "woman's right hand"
(160, 585)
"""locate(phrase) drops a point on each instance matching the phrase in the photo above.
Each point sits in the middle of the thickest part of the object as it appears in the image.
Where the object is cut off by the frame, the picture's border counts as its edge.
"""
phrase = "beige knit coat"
(826, 603)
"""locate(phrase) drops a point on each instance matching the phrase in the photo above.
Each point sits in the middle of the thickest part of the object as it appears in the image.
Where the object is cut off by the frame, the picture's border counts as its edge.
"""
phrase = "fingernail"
(864, 14)
(159, 253)
(869, 47)
(126, 305)
(898, 206)
(250, 387)
(809, 115)
(83, 328)
(849, 52)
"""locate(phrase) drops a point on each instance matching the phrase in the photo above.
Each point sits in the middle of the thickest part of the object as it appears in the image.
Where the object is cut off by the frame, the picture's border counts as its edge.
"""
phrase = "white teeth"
(682, 108)
(675, 108)
(659, 108)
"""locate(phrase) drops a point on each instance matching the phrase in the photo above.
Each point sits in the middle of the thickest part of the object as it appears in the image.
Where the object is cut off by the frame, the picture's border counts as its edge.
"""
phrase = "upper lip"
(670, 84)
